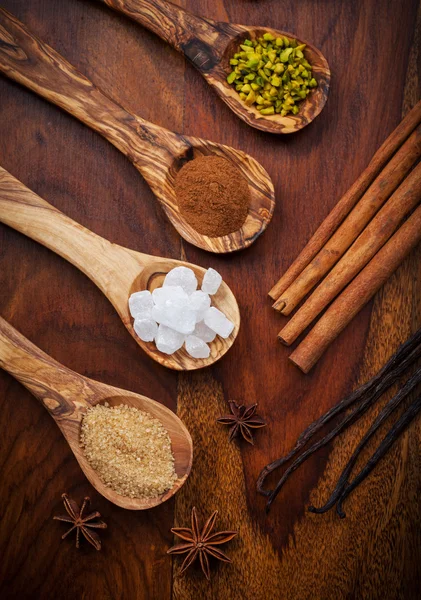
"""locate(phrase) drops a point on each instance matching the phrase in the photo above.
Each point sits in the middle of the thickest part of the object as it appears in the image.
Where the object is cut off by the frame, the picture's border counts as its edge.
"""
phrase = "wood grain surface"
(373, 49)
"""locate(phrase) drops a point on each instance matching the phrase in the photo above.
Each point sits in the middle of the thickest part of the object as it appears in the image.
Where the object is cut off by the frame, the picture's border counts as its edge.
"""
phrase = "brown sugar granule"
(212, 195)
(129, 449)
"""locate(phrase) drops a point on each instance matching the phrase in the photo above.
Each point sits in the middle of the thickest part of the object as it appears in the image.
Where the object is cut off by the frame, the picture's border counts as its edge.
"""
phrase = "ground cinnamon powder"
(212, 195)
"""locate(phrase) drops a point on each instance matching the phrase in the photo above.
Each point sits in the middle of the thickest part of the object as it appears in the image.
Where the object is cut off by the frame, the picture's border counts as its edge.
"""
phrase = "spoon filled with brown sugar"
(157, 153)
(117, 271)
(209, 45)
(68, 396)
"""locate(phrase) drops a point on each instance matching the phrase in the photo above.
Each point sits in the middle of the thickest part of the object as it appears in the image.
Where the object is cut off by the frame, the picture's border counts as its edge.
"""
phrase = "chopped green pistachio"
(255, 87)
(268, 37)
(279, 68)
(263, 75)
(279, 42)
(246, 88)
(268, 111)
(251, 98)
(260, 100)
(231, 77)
(285, 54)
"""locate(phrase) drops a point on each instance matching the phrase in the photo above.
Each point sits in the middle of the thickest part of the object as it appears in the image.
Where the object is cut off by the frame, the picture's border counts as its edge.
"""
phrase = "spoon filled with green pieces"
(271, 79)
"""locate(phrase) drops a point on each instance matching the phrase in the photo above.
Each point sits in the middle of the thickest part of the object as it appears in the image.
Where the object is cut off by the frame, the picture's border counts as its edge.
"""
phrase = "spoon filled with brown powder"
(157, 153)
(225, 199)
(212, 195)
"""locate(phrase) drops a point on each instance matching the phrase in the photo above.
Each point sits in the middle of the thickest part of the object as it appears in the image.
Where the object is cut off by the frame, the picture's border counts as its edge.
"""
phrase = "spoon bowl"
(157, 153)
(309, 108)
(67, 396)
(262, 202)
(209, 45)
(117, 271)
(152, 277)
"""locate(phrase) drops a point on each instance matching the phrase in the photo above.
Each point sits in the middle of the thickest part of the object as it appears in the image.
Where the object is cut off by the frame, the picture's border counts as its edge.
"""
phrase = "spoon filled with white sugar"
(134, 451)
(120, 273)
(179, 315)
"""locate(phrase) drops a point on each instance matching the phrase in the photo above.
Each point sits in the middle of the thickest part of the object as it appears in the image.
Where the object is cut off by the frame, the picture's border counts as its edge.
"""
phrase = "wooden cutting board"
(373, 47)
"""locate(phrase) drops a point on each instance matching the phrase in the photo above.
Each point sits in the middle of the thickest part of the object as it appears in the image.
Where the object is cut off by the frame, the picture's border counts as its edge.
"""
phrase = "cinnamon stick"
(349, 200)
(358, 293)
(378, 231)
(377, 194)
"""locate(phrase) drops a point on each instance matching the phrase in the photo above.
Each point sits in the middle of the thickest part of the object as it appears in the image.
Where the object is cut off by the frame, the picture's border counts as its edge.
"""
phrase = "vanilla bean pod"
(406, 354)
(380, 419)
(392, 436)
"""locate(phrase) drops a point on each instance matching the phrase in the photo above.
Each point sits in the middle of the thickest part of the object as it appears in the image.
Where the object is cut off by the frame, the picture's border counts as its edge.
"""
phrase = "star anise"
(241, 421)
(201, 543)
(81, 523)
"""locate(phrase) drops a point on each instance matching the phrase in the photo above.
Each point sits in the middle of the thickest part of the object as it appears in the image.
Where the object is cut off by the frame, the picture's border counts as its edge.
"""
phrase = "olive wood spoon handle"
(156, 152)
(209, 45)
(117, 271)
(67, 396)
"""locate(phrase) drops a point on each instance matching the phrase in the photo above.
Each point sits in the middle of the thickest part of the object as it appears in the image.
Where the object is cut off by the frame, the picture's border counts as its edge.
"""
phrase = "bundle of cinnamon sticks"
(357, 247)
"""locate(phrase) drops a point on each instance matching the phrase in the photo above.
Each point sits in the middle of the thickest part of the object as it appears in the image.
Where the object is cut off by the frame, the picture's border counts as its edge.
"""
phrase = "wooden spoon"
(157, 153)
(67, 396)
(117, 271)
(209, 45)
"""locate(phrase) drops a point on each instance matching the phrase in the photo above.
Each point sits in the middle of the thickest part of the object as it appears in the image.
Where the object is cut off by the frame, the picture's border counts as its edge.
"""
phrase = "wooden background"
(373, 47)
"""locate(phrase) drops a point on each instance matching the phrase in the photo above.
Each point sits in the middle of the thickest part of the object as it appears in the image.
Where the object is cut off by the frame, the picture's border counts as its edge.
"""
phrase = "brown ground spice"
(212, 195)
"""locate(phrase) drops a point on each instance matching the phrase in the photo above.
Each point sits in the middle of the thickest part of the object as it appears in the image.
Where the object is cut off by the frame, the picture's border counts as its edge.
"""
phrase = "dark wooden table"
(373, 47)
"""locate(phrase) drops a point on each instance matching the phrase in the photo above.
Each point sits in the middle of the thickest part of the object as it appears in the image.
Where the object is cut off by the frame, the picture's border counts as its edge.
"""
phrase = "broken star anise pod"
(81, 523)
(201, 543)
(242, 421)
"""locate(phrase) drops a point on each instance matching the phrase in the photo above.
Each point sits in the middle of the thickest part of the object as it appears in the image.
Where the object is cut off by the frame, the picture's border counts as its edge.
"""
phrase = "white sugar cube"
(196, 347)
(140, 304)
(181, 319)
(167, 340)
(218, 322)
(170, 295)
(199, 302)
(211, 282)
(203, 332)
(146, 329)
(183, 277)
